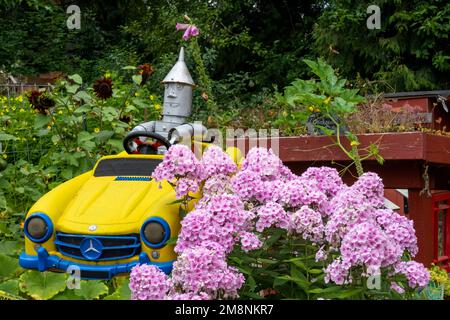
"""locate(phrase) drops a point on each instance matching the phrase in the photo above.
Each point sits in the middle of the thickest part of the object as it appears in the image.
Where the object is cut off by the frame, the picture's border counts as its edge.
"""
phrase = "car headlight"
(155, 232)
(38, 227)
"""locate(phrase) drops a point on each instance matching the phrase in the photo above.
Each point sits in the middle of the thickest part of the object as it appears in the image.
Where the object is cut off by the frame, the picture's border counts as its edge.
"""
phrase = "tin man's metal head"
(178, 85)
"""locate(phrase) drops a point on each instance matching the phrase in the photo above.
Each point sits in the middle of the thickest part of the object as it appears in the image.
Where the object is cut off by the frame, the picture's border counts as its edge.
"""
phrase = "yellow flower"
(157, 106)
(19, 98)
(13, 108)
(152, 97)
(107, 75)
(317, 110)
(96, 130)
(34, 139)
(22, 110)
(136, 94)
(7, 110)
(354, 143)
(311, 108)
(327, 100)
(127, 103)
(60, 112)
(5, 156)
(49, 127)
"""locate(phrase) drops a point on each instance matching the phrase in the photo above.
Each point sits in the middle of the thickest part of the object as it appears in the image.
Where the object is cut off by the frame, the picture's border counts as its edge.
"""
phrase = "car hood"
(112, 201)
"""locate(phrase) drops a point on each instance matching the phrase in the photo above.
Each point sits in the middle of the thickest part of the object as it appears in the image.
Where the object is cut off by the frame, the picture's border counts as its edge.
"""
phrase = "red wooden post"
(421, 212)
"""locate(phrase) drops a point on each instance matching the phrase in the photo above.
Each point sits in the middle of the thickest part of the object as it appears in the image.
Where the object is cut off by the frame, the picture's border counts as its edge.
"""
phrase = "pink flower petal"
(186, 35)
(193, 31)
(182, 26)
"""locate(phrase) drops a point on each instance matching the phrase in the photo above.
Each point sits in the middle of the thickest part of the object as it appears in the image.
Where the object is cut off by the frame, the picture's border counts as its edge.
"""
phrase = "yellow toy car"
(104, 221)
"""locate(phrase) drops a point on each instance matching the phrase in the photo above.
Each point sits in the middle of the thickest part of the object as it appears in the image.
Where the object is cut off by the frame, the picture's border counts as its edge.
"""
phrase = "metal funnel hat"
(179, 72)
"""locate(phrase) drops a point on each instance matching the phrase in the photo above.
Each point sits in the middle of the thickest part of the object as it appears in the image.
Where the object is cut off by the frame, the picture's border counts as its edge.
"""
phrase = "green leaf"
(82, 96)
(40, 121)
(267, 261)
(348, 293)
(42, 285)
(251, 283)
(72, 88)
(279, 281)
(140, 103)
(103, 136)
(176, 201)
(315, 271)
(83, 108)
(84, 136)
(297, 262)
(277, 234)
(10, 246)
(3, 203)
(8, 265)
(68, 294)
(124, 289)
(10, 286)
(325, 290)
(76, 78)
(6, 137)
(116, 144)
(91, 289)
(129, 68)
(137, 78)
(67, 173)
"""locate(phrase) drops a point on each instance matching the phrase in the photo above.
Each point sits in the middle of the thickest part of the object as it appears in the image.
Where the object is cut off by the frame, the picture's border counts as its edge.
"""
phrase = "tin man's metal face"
(177, 99)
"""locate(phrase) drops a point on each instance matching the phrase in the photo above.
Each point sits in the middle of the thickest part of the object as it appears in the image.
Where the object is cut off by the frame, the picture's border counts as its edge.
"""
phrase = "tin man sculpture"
(177, 108)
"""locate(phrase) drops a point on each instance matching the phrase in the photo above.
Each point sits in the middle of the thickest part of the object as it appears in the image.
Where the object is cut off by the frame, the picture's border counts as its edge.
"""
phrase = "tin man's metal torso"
(177, 107)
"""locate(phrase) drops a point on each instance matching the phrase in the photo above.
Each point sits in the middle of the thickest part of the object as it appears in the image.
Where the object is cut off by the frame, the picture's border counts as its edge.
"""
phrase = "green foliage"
(42, 285)
(306, 102)
(41, 150)
(410, 51)
(439, 277)
(286, 268)
(91, 289)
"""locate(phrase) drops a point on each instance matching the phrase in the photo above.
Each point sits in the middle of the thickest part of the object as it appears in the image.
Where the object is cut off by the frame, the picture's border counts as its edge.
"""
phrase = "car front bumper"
(43, 261)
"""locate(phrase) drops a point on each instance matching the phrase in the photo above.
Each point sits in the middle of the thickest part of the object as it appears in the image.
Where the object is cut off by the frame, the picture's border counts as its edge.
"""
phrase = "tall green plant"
(326, 98)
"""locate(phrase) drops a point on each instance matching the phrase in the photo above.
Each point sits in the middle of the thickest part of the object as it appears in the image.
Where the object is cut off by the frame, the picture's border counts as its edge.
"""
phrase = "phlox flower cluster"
(327, 179)
(348, 220)
(271, 214)
(216, 185)
(301, 191)
(200, 272)
(216, 162)
(367, 245)
(416, 274)
(349, 225)
(308, 223)
(265, 164)
(147, 282)
(208, 233)
(222, 220)
(371, 187)
(179, 163)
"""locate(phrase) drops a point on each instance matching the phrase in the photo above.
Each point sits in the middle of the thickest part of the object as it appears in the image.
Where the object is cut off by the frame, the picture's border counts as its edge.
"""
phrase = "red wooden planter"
(415, 161)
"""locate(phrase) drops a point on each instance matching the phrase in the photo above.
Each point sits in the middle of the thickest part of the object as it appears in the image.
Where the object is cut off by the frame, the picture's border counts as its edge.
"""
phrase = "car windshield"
(126, 167)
